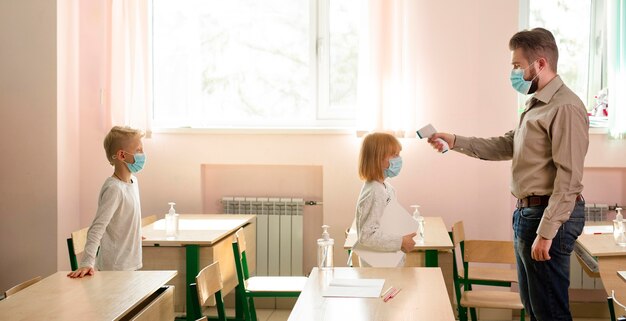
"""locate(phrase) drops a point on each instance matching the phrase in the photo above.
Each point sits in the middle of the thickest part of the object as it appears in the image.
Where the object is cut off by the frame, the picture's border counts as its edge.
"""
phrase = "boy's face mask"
(140, 160)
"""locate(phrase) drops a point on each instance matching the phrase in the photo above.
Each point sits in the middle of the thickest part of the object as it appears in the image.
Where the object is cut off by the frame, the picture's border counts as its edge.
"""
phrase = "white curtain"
(616, 65)
(129, 65)
(387, 85)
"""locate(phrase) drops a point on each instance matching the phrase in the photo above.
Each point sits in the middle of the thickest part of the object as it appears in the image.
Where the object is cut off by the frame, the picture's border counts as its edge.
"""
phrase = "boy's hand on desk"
(80, 272)
(408, 243)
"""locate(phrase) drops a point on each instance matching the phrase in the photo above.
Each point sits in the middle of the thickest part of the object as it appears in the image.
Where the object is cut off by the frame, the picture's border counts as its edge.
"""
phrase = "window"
(254, 64)
(579, 28)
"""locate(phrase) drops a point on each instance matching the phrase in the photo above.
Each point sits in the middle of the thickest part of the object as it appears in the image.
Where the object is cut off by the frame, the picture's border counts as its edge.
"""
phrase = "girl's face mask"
(395, 165)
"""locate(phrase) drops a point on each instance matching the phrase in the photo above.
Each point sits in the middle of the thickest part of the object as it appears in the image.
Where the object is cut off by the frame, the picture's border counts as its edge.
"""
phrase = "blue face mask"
(520, 84)
(140, 160)
(395, 165)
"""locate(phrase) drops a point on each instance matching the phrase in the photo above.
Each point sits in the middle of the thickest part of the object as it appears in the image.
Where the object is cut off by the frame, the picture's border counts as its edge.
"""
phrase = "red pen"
(393, 295)
(386, 297)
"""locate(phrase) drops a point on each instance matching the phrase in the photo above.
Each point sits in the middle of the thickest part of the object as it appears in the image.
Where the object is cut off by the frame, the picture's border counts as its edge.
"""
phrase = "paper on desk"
(395, 220)
(355, 288)
(622, 274)
(598, 229)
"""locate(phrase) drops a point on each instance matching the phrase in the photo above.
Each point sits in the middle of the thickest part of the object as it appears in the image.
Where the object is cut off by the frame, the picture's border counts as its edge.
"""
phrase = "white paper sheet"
(598, 229)
(622, 274)
(395, 220)
(354, 288)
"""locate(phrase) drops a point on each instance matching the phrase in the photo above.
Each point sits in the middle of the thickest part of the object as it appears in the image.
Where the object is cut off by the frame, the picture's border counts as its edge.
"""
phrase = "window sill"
(598, 130)
(255, 131)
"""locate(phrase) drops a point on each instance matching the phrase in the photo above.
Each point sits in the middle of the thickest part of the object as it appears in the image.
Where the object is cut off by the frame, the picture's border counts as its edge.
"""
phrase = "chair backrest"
(208, 283)
(21, 286)
(485, 251)
(148, 220)
(76, 245)
(239, 251)
(458, 233)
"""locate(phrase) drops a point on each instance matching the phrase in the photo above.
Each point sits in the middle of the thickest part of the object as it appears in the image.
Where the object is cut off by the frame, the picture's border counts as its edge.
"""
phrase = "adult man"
(547, 149)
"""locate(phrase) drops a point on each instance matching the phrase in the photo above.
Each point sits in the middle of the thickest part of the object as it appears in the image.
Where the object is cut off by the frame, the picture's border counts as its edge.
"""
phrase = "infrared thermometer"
(429, 130)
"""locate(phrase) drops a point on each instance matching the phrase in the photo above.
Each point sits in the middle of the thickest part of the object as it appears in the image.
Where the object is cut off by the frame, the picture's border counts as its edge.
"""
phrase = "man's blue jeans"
(544, 285)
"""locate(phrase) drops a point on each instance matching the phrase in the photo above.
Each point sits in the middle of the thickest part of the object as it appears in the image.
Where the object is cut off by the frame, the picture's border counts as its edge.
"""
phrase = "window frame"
(325, 119)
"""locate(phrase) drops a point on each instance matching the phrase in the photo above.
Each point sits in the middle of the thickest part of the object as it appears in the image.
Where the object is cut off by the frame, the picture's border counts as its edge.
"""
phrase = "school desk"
(423, 296)
(436, 238)
(202, 239)
(609, 258)
(105, 296)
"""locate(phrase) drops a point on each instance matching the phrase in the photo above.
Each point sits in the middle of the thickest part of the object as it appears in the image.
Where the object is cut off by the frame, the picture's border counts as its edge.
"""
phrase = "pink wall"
(28, 110)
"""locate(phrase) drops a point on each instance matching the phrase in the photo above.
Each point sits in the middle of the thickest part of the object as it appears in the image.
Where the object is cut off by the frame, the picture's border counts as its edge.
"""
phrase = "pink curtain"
(129, 66)
(388, 91)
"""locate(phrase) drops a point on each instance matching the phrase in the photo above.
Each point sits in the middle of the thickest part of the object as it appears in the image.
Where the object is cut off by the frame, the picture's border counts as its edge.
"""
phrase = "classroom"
(271, 108)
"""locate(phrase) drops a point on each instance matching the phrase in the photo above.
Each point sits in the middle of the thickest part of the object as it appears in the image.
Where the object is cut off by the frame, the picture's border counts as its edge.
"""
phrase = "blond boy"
(116, 229)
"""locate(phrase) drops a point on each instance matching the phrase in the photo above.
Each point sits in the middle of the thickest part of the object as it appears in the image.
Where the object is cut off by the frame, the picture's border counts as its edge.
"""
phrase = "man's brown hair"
(536, 43)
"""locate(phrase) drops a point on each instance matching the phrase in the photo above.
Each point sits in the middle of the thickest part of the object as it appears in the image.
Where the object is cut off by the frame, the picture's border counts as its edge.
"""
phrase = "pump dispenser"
(619, 229)
(419, 238)
(171, 222)
(325, 249)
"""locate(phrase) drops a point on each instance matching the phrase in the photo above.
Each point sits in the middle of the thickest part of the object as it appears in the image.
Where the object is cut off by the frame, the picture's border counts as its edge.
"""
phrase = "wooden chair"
(353, 258)
(483, 251)
(21, 286)
(148, 220)
(208, 283)
(76, 245)
(260, 286)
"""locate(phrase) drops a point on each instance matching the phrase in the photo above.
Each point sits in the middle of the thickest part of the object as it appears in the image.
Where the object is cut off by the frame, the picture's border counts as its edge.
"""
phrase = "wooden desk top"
(199, 229)
(435, 235)
(423, 296)
(600, 245)
(108, 295)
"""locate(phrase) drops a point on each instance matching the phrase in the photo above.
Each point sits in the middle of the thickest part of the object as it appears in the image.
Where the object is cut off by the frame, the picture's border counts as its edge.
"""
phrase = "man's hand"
(80, 272)
(449, 138)
(408, 243)
(540, 250)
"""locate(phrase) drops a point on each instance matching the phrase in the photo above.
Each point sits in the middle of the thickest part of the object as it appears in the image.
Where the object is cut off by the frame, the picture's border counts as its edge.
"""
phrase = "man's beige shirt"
(548, 150)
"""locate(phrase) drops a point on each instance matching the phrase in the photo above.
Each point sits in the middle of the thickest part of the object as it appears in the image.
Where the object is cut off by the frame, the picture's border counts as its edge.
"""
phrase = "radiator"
(279, 232)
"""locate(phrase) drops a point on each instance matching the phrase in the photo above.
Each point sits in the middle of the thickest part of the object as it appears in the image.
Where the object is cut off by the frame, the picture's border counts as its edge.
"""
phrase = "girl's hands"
(408, 243)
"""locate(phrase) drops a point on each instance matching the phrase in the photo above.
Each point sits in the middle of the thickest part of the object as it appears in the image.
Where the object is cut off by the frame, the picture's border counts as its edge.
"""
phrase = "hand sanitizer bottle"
(619, 230)
(325, 250)
(171, 222)
(419, 238)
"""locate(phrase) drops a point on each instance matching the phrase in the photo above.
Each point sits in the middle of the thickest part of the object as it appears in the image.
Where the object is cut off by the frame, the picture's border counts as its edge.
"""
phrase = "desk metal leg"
(431, 258)
(193, 267)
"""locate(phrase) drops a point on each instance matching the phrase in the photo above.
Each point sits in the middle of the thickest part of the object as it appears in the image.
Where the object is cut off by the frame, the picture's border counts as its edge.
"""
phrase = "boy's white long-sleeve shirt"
(370, 208)
(116, 229)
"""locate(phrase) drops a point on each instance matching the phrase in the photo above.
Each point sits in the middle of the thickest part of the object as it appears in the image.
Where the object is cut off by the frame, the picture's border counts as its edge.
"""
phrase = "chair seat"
(492, 274)
(270, 284)
(492, 299)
